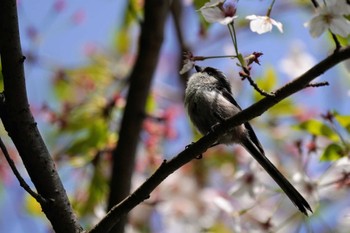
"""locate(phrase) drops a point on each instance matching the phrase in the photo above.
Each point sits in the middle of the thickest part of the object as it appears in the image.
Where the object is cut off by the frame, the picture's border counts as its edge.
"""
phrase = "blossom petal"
(278, 25)
(316, 26)
(330, 16)
(187, 66)
(211, 4)
(251, 17)
(340, 26)
(227, 20)
(260, 26)
(212, 15)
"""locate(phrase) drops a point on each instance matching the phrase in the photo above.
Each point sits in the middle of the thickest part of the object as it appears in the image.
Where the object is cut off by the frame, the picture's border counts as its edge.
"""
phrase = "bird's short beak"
(198, 68)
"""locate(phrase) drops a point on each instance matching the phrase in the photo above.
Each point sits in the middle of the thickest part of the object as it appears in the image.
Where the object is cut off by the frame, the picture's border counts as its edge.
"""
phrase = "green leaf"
(344, 121)
(96, 192)
(94, 137)
(219, 227)
(32, 206)
(151, 104)
(199, 3)
(332, 152)
(122, 41)
(318, 128)
(267, 82)
(285, 107)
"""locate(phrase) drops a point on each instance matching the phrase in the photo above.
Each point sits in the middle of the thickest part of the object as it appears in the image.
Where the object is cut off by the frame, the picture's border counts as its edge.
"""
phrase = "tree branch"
(244, 75)
(21, 127)
(191, 152)
(319, 84)
(151, 39)
(20, 179)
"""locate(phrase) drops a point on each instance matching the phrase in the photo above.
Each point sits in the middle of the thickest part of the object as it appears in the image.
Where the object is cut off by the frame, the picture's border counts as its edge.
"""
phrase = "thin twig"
(22, 182)
(256, 87)
(320, 84)
(336, 41)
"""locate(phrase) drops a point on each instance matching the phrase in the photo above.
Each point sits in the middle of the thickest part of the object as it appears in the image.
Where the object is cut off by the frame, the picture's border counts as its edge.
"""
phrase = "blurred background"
(79, 55)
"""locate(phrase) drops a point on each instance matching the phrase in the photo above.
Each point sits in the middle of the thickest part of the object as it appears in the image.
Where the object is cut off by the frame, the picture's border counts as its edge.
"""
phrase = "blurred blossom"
(59, 5)
(335, 182)
(330, 16)
(90, 49)
(32, 33)
(307, 185)
(344, 220)
(297, 61)
(187, 2)
(263, 226)
(219, 11)
(188, 65)
(263, 24)
(247, 182)
(78, 17)
(223, 204)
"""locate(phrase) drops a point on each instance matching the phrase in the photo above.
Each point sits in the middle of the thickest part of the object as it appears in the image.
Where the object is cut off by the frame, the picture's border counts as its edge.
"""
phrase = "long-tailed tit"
(209, 101)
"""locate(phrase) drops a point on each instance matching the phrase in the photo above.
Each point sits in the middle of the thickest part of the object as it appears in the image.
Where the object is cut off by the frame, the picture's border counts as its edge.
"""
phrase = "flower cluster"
(223, 11)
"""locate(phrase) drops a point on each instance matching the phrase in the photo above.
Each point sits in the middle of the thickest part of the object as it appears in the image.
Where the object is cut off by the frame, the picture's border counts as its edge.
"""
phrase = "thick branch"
(191, 152)
(21, 127)
(150, 43)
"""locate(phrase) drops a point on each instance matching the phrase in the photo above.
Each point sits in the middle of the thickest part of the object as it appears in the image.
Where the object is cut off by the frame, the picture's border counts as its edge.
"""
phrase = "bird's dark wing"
(249, 128)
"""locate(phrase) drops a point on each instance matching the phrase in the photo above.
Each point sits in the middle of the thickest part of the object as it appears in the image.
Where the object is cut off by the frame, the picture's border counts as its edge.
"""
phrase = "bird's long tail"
(287, 187)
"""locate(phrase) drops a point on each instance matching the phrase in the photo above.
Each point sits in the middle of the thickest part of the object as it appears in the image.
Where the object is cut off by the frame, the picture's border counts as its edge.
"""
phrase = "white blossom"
(262, 24)
(247, 181)
(219, 11)
(330, 16)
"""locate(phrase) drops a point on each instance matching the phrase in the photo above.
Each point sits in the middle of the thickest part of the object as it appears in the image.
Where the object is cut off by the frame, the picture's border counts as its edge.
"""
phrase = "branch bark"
(151, 39)
(191, 152)
(21, 127)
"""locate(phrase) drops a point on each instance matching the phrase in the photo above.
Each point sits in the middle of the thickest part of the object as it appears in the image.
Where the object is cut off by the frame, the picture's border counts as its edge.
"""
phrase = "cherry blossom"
(263, 24)
(219, 11)
(330, 16)
(247, 181)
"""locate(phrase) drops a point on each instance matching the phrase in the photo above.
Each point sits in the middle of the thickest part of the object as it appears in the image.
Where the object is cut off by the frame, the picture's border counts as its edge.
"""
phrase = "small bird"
(209, 101)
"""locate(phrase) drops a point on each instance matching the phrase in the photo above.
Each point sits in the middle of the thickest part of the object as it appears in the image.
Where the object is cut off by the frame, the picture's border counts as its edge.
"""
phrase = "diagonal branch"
(191, 152)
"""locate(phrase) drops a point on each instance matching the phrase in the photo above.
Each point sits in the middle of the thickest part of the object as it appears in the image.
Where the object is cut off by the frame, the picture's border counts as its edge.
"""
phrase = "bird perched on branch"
(209, 101)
